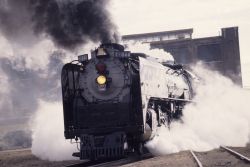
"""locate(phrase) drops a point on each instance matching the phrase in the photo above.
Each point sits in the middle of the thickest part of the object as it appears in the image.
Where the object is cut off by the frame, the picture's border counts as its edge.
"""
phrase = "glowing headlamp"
(101, 80)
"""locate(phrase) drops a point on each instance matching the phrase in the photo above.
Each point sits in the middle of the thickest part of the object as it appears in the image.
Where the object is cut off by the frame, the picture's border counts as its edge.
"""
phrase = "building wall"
(231, 53)
(220, 52)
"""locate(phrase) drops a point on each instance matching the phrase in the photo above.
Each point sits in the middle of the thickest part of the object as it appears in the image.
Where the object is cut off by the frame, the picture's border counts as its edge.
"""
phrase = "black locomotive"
(115, 101)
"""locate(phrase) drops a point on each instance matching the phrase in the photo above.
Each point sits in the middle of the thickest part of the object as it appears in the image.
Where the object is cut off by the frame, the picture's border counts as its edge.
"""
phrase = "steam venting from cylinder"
(69, 23)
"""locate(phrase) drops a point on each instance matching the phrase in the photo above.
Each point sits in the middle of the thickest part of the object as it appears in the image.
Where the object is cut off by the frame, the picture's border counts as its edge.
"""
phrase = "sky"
(207, 17)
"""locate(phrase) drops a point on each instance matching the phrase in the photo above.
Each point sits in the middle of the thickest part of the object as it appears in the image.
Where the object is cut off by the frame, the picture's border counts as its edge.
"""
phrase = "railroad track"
(236, 154)
(196, 159)
(112, 163)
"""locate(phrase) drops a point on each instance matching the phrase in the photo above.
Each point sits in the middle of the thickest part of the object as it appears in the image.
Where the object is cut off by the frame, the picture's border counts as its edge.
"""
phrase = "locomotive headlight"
(101, 79)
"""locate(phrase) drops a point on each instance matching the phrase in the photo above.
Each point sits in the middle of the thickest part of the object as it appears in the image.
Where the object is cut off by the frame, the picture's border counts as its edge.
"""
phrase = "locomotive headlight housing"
(101, 53)
(101, 80)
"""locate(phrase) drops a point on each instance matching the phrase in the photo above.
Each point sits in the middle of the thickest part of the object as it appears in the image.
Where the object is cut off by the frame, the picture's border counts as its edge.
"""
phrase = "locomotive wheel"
(139, 148)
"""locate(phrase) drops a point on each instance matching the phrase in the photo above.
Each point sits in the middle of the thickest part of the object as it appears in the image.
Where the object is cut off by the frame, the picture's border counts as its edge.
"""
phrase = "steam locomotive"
(115, 101)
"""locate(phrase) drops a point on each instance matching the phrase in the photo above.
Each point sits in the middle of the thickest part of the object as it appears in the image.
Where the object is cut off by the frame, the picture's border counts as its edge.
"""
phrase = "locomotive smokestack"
(68, 23)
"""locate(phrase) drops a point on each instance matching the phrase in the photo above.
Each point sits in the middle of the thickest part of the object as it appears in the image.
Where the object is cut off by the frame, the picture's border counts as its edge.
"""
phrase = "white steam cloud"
(27, 74)
(158, 55)
(48, 142)
(219, 116)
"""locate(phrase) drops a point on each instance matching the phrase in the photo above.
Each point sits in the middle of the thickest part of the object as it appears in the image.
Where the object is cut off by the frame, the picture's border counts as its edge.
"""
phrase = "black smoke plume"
(69, 23)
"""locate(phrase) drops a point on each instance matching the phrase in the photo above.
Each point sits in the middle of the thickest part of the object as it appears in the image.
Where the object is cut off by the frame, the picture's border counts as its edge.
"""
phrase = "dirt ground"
(172, 160)
(213, 158)
(24, 158)
(217, 157)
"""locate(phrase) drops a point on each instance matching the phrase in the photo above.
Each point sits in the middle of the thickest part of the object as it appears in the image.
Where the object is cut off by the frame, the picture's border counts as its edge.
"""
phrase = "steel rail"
(75, 164)
(112, 162)
(124, 160)
(196, 159)
(236, 154)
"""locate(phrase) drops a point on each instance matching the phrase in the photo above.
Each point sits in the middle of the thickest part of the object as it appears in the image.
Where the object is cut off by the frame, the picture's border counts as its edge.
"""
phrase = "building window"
(209, 53)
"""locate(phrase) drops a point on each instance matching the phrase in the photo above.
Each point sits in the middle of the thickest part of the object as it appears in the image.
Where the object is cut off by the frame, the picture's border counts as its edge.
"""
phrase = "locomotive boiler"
(114, 101)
